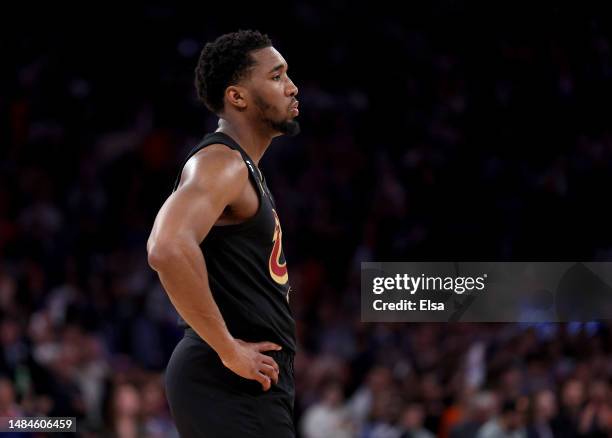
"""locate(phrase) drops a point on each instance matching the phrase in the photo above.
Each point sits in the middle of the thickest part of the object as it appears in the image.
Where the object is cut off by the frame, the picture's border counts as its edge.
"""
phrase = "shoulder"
(216, 164)
(217, 155)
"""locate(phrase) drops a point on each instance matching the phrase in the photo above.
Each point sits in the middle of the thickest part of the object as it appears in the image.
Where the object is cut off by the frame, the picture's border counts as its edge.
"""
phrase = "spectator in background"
(126, 412)
(481, 407)
(509, 424)
(328, 417)
(378, 381)
(411, 422)
(384, 414)
(14, 351)
(543, 410)
(565, 423)
(8, 406)
(157, 421)
(596, 417)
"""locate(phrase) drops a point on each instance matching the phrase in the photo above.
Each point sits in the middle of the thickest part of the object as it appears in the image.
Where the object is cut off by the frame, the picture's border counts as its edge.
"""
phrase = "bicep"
(187, 213)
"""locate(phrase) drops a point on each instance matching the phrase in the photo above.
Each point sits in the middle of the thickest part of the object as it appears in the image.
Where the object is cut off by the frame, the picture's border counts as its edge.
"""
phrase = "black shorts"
(209, 400)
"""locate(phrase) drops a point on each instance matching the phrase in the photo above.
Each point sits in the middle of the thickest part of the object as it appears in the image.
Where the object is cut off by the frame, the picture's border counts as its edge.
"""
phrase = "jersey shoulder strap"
(221, 138)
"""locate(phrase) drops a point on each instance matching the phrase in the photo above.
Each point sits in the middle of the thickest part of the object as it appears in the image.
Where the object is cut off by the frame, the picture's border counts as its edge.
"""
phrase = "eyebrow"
(278, 67)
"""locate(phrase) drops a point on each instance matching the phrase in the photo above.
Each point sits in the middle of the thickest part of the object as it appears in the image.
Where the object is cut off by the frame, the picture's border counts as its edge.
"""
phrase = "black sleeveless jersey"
(246, 266)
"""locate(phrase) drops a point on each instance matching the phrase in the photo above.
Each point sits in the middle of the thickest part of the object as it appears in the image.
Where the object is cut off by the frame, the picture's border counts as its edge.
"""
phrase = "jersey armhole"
(260, 200)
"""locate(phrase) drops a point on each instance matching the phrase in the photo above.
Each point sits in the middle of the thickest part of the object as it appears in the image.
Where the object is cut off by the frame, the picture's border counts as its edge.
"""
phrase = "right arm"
(211, 180)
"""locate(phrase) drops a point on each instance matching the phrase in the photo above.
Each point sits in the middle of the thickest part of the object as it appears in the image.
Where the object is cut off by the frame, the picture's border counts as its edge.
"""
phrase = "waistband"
(279, 356)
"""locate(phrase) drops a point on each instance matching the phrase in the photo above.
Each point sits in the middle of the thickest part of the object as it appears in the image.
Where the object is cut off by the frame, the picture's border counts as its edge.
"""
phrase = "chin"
(290, 128)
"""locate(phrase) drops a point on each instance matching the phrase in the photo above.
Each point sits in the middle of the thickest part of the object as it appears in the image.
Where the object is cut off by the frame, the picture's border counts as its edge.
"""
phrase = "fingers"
(265, 381)
(266, 346)
(266, 375)
(270, 371)
(269, 361)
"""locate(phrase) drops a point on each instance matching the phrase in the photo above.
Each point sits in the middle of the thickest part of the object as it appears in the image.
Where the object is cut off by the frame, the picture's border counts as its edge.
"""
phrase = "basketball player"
(217, 246)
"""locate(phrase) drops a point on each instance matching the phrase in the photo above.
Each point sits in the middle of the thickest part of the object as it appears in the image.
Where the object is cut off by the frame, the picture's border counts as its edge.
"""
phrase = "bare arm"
(211, 180)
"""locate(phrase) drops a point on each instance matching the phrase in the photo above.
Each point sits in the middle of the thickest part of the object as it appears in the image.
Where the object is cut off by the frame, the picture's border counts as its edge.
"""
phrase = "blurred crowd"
(419, 141)
(459, 381)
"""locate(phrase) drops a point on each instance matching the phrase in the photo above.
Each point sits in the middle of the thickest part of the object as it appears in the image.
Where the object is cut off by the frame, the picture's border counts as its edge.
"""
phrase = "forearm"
(182, 272)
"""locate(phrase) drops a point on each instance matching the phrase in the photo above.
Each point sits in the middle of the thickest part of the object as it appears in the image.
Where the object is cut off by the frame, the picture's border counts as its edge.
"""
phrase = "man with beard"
(216, 245)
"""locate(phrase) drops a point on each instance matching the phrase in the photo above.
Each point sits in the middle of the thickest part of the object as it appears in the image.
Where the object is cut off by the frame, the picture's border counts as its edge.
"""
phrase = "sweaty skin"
(215, 189)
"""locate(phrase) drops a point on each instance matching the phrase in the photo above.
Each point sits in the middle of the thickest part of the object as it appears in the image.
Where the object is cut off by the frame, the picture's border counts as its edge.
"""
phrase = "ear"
(236, 96)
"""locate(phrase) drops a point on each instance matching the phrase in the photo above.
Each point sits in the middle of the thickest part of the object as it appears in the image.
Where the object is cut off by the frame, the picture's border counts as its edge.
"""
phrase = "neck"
(253, 141)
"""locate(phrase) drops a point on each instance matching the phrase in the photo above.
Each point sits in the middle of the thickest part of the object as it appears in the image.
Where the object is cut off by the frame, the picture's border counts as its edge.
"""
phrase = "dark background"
(442, 130)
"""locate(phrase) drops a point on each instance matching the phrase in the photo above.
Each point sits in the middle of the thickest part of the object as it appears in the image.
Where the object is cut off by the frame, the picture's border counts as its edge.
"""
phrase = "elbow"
(160, 255)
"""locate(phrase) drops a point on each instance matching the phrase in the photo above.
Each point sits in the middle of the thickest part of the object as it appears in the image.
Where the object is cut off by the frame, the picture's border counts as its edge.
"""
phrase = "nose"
(292, 89)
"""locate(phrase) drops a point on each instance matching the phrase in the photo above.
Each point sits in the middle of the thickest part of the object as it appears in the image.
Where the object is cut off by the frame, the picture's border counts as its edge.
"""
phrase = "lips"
(294, 108)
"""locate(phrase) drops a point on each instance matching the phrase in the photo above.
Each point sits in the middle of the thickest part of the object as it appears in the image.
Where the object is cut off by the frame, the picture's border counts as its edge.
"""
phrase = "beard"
(287, 127)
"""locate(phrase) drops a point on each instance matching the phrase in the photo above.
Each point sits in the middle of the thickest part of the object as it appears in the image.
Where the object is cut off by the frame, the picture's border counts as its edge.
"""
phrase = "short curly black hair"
(224, 62)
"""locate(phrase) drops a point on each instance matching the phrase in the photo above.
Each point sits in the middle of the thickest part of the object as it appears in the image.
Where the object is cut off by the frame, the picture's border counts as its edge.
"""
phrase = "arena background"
(443, 130)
